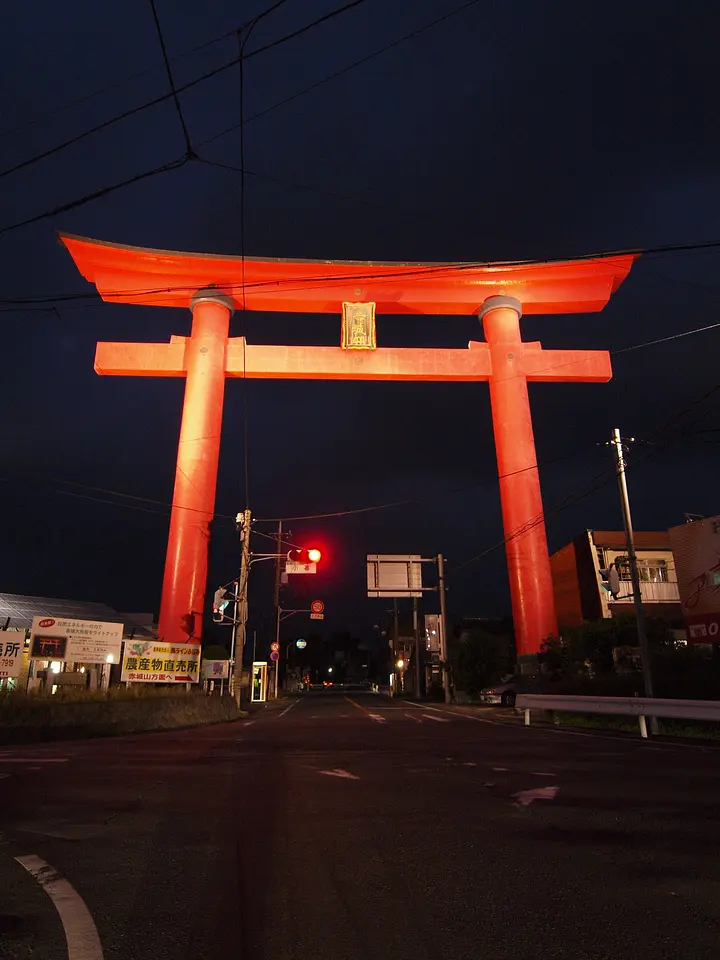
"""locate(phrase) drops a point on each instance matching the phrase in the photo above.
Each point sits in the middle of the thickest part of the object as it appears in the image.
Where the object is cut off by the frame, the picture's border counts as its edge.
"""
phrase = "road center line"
(34, 759)
(372, 716)
(293, 704)
(83, 942)
(339, 772)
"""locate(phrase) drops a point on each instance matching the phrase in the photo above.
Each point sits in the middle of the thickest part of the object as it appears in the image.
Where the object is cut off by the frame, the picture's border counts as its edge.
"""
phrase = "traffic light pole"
(443, 629)
(416, 632)
(617, 443)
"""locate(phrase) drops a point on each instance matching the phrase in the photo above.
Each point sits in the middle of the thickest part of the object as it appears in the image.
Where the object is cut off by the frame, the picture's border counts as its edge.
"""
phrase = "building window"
(600, 557)
(650, 570)
(653, 571)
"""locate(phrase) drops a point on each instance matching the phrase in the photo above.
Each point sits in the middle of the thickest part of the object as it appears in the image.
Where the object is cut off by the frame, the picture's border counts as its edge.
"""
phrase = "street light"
(400, 664)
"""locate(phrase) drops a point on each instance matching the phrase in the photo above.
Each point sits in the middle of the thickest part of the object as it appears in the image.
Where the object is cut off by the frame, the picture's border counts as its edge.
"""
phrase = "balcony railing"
(661, 592)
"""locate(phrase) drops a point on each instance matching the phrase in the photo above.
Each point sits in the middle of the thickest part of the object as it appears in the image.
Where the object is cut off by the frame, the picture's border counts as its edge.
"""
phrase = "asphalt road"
(363, 828)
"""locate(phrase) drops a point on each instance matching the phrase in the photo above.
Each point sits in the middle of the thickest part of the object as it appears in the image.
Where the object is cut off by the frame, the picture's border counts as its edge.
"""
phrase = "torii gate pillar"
(528, 559)
(212, 284)
(183, 593)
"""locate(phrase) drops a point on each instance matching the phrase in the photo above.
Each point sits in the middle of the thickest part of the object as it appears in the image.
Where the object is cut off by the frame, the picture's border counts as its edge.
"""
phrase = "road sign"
(11, 653)
(274, 655)
(317, 616)
(274, 646)
(301, 644)
(317, 606)
(292, 566)
(394, 575)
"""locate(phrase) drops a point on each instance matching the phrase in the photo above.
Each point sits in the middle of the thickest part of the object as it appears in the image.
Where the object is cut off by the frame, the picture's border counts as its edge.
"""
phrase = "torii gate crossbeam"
(211, 286)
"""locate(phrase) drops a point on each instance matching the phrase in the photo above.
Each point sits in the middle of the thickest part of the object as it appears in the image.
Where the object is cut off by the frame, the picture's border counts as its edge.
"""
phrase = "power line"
(303, 186)
(168, 70)
(351, 66)
(241, 93)
(134, 76)
(181, 89)
(598, 481)
(95, 195)
(112, 86)
(415, 500)
(415, 269)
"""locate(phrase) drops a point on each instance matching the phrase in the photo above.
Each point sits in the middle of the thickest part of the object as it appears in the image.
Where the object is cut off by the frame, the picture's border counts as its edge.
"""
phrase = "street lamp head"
(400, 664)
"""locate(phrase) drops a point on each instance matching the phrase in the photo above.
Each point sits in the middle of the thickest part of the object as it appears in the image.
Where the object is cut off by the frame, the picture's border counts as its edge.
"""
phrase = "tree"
(588, 649)
(480, 659)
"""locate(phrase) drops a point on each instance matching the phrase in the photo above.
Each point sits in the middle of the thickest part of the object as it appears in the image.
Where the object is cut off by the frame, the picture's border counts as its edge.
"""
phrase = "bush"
(72, 716)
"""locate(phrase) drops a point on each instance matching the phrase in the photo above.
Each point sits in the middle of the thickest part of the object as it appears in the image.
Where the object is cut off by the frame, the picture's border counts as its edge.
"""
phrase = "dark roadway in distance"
(366, 828)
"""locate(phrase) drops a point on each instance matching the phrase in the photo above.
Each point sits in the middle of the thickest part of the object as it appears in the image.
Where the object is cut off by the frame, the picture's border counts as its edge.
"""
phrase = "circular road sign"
(301, 644)
(274, 646)
(317, 606)
(274, 655)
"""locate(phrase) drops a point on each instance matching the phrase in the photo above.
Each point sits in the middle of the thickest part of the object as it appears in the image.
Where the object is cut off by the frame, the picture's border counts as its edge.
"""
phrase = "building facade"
(577, 583)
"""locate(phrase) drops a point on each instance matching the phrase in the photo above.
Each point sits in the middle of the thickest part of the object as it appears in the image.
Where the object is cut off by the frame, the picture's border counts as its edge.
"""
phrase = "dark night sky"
(514, 130)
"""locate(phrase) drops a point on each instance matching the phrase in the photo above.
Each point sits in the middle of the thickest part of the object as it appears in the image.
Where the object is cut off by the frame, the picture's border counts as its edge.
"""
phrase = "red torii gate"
(212, 285)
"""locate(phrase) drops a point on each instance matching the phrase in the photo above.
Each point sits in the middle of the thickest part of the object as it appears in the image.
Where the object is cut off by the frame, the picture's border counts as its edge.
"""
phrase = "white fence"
(640, 707)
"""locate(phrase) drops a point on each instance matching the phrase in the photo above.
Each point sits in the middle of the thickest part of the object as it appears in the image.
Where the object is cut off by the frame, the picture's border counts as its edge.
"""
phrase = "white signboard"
(11, 653)
(394, 575)
(292, 566)
(152, 661)
(215, 669)
(75, 641)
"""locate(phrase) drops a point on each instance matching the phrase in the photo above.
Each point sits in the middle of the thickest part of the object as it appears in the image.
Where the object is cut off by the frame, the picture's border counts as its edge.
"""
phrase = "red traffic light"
(305, 555)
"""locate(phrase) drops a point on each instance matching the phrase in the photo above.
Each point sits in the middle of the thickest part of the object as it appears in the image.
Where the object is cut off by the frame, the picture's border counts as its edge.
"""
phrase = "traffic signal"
(611, 580)
(305, 555)
(220, 601)
(303, 560)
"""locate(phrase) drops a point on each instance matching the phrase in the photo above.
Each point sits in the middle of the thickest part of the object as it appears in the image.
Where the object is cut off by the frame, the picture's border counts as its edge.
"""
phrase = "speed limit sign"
(317, 606)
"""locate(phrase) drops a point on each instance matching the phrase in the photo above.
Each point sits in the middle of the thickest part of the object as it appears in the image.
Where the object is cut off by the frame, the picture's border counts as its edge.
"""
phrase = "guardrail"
(640, 707)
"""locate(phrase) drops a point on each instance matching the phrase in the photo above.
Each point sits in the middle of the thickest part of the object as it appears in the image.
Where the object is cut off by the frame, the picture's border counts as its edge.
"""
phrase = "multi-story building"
(577, 583)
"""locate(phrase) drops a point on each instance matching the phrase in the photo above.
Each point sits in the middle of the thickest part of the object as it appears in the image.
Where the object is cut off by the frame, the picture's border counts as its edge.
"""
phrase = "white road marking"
(500, 769)
(470, 764)
(429, 716)
(539, 773)
(249, 723)
(412, 716)
(376, 717)
(294, 704)
(4, 776)
(452, 713)
(339, 773)
(83, 942)
(34, 759)
(525, 797)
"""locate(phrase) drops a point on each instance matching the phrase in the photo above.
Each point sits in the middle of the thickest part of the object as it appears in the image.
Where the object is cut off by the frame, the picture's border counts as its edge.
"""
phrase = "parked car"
(503, 693)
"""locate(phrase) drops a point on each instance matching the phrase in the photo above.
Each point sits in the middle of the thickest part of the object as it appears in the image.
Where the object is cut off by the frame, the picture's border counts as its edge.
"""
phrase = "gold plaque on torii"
(358, 326)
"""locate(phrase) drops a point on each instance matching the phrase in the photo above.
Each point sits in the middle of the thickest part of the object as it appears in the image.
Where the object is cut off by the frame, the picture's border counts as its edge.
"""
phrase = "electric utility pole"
(278, 612)
(243, 521)
(443, 629)
(618, 443)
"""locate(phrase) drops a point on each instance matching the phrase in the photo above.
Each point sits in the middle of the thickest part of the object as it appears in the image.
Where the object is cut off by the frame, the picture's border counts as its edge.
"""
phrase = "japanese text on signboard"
(154, 662)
